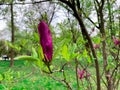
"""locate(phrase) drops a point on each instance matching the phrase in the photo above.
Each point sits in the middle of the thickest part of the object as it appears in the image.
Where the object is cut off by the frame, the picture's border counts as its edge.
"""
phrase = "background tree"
(74, 43)
(78, 10)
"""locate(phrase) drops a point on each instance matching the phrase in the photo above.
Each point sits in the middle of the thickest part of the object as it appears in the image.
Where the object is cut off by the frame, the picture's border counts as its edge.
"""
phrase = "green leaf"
(89, 60)
(23, 42)
(72, 52)
(108, 67)
(88, 4)
(61, 44)
(36, 37)
(34, 53)
(73, 55)
(38, 62)
(13, 46)
(51, 67)
(85, 53)
(1, 77)
(28, 58)
(65, 53)
(40, 52)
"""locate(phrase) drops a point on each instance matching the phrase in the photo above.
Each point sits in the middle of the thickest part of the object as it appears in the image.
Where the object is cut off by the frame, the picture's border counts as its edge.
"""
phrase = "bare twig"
(52, 15)
(117, 84)
(24, 3)
(65, 81)
(118, 65)
(98, 3)
(76, 67)
(104, 82)
(90, 20)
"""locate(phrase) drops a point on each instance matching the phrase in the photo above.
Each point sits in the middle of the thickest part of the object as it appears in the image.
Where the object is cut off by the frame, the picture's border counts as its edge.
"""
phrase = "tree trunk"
(12, 36)
(104, 52)
(85, 34)
(78, 15)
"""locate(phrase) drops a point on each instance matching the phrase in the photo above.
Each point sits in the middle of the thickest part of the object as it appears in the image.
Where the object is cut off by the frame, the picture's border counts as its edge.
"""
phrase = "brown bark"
(85, 33)
(86, 36)
(12, 36)
(105, 61)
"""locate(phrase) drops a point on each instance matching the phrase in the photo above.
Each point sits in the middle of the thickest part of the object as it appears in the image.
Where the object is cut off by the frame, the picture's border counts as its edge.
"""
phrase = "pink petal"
(45, 40)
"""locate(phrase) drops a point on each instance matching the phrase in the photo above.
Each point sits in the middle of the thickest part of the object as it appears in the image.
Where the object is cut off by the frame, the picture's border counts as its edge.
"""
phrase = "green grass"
(24, 76)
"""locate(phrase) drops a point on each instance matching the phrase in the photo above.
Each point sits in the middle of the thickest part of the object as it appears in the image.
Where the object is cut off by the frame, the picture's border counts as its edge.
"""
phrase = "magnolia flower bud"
(45, 40)
(115, 40)
(82, 74)
(96, 46)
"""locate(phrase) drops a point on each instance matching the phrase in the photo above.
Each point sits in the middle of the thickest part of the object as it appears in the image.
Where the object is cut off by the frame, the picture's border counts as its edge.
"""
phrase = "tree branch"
(90, 20)
(86, 37)
(98, 3)
(78, 4)
(51, 18)
(24, 3)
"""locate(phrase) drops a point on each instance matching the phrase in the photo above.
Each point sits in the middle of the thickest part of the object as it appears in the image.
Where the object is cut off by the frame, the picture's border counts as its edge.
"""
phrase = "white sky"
(2, 24)
(60, 18)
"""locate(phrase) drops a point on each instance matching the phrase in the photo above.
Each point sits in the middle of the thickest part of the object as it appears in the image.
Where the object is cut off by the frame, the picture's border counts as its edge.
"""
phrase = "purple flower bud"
(45, 40)
(115, 40)
(82, 74)
(96, 46)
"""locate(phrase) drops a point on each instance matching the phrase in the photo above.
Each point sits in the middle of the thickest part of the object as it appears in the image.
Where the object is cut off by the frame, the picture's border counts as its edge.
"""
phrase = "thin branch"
(97, 11)
(98, 3)
(25, 3)
(52, 15)
(64, 80)
(57, 79)
(118, 65)
(78, 4)
(104, 82)
(90, 20)
(67, 3)
(117, 84)
(50, 71)
(76, 68)
(117, 58)
(102, 3)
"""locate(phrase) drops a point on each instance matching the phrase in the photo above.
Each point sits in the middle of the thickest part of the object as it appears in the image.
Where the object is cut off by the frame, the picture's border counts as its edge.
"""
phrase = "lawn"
(25, 76)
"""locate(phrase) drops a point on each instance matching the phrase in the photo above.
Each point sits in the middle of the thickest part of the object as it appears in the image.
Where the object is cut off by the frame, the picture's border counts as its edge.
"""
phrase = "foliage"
(21, 77)
(73, 49)
(2, 46)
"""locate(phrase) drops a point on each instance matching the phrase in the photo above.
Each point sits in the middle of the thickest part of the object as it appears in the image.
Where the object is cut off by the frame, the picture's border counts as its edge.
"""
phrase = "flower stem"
(77, 79)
